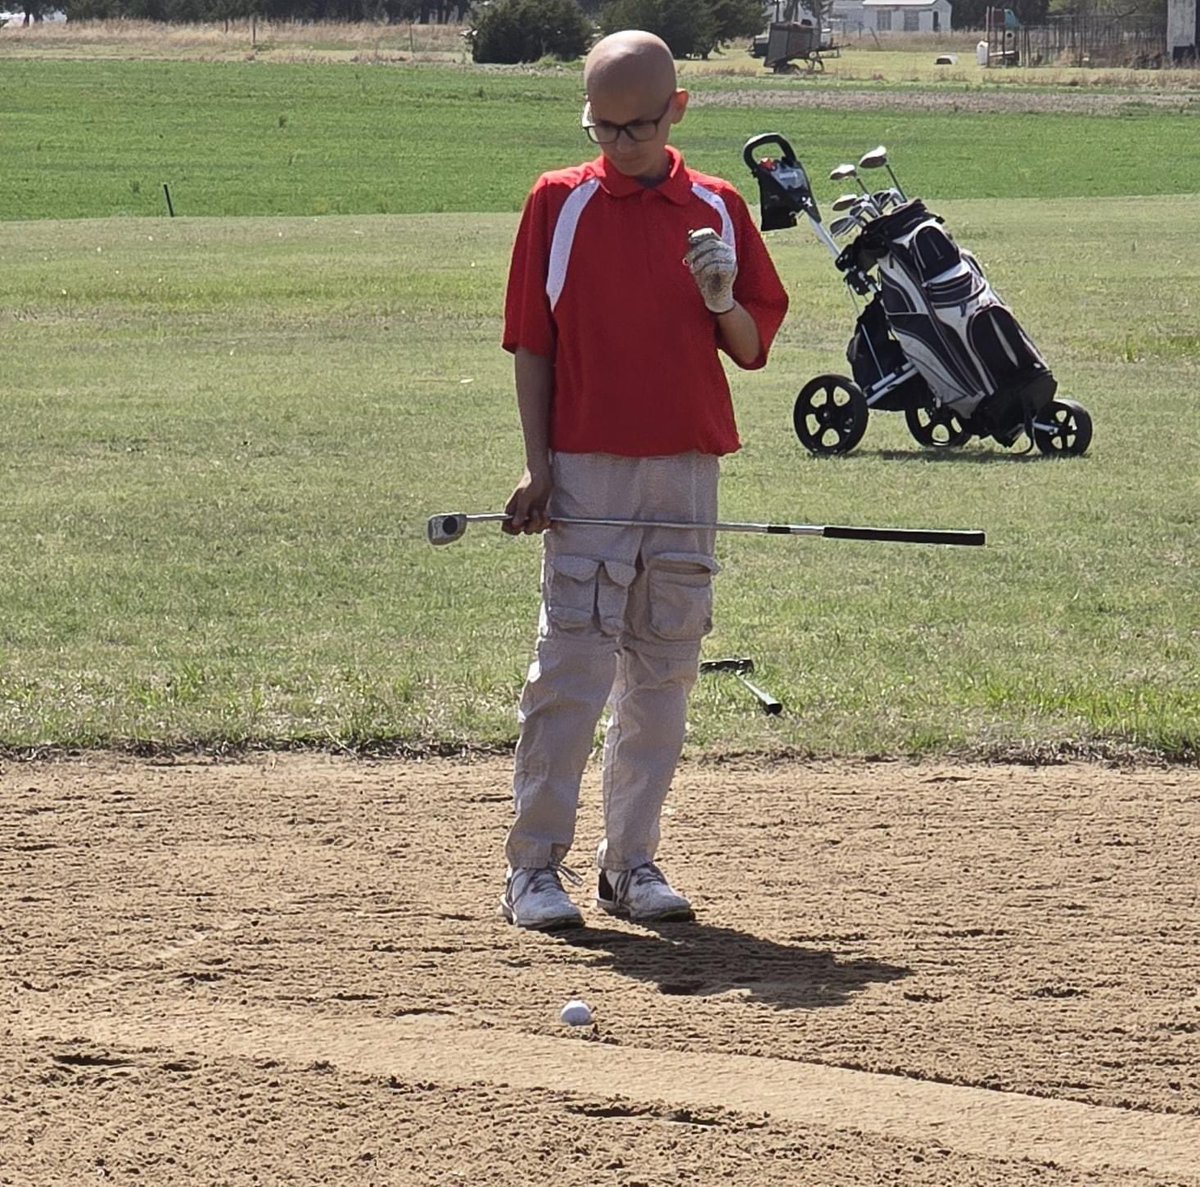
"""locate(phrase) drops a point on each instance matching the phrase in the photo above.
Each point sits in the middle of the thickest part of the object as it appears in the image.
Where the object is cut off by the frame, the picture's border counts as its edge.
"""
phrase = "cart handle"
(788, 157)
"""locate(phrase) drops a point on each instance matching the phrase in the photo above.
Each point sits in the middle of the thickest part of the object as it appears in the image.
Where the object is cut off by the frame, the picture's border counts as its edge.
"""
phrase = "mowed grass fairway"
(224, 434)
(94, 139)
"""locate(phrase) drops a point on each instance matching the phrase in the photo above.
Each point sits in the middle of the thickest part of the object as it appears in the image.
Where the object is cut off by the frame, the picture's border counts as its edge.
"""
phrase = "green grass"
(224, 436)
(83, 139)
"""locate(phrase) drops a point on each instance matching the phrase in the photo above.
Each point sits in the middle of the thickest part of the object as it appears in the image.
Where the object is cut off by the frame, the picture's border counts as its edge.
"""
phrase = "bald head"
(630, 62)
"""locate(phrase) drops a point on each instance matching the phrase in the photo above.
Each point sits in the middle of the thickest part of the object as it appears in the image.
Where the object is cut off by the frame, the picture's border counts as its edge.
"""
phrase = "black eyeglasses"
(602, 132)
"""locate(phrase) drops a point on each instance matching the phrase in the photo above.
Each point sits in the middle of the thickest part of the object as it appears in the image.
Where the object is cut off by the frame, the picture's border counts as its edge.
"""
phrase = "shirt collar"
(675, 187)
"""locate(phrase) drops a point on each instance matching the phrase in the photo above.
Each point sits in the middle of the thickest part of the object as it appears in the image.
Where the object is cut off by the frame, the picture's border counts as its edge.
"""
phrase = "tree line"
(691, 27)
(192, 11)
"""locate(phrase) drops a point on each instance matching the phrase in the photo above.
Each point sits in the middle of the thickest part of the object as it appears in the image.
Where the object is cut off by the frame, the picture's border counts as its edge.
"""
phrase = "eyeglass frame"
(590, 125)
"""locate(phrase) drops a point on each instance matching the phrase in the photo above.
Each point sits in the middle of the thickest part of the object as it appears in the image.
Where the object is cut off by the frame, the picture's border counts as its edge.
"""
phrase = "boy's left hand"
(713, 263)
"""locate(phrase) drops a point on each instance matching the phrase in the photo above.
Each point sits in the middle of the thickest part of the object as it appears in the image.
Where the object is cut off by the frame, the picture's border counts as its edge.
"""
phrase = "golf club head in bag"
(783, 187)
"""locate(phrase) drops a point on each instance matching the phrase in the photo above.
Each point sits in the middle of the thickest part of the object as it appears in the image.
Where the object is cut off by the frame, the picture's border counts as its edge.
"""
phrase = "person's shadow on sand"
(701, 960)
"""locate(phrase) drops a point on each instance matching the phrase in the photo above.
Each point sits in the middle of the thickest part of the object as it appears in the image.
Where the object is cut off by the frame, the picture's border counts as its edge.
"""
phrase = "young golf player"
(629, 274)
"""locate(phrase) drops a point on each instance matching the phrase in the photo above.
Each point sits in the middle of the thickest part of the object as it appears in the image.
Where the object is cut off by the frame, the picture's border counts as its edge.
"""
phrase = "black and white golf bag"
(947, 320)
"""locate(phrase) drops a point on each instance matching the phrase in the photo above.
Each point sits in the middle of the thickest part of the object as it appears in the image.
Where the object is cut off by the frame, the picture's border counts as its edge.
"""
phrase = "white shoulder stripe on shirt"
(568, 220)
(564, 237)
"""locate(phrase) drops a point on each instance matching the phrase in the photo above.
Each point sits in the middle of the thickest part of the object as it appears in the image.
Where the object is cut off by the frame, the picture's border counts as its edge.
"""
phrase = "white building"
(1183, 31)
(896, 16)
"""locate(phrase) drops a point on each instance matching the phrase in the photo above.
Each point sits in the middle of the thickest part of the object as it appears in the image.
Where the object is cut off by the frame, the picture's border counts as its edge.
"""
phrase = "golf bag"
(935, 308)
(932, 340)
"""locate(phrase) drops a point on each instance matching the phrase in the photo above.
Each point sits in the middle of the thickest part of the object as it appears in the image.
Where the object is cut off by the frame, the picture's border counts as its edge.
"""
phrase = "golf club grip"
(906, 535)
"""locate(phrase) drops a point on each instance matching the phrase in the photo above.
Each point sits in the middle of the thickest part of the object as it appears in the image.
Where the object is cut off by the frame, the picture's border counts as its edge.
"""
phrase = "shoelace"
(648, 873)
(537, 880)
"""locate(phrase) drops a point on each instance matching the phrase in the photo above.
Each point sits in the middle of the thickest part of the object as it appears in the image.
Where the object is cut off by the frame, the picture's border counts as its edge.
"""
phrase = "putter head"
(875, 159)
(445, 529)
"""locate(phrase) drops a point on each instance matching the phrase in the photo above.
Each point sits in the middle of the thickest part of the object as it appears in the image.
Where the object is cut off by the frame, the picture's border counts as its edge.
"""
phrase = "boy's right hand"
(527, 506)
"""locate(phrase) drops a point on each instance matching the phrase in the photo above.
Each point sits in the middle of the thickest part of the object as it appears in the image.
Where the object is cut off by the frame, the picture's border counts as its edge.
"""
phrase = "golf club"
(740, 667)
(857, 204)
(445, 529)
(877, 159)
(841, 172)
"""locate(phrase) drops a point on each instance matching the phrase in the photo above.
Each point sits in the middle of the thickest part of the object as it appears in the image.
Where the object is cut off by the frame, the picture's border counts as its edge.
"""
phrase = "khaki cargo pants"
(623, 614)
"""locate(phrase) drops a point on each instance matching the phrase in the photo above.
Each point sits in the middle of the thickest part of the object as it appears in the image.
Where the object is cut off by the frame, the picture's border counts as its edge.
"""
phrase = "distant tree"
(972, 14)
(737, 19)
(1110, 8)
(691, 28)
(818, 9)
(512, 31)
(36, 11)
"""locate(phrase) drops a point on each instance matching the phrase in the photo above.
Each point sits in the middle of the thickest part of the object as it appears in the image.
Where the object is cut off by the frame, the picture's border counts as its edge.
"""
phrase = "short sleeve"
(528, 322)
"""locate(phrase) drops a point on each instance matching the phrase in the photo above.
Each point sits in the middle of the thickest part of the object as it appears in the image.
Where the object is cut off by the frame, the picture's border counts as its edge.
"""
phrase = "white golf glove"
(714, 265)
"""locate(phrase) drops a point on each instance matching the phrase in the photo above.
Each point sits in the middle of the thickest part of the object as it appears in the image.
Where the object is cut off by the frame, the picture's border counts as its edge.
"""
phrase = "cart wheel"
(815, 65)
(935, 426)
(830, 414)
(1063, 427)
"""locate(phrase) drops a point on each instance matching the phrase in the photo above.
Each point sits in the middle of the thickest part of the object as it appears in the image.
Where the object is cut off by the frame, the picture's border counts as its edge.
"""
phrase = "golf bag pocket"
(1008, 355)
(959, 286)
(680, 594)
(875, 356)
(934, 251)
(582, 593)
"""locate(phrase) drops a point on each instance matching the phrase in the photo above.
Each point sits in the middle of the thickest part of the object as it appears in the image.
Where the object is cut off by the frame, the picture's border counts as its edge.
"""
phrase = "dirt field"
(290, 970)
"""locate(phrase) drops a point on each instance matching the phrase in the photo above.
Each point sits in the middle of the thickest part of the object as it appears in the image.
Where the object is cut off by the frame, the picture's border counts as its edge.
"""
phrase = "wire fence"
(1095, 41)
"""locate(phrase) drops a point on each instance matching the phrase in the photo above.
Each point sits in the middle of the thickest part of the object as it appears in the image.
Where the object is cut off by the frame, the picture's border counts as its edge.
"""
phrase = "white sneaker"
(641, 894)
(535, 898)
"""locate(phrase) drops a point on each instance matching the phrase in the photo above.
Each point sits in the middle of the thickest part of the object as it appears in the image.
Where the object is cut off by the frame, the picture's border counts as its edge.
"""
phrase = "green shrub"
(92, 10)
(692, 28)
(737, 19)
(527, 30)
(687, 26)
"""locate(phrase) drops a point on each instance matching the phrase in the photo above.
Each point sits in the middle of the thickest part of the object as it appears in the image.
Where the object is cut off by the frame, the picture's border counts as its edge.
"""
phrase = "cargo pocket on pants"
(582, 593)
(680, 587)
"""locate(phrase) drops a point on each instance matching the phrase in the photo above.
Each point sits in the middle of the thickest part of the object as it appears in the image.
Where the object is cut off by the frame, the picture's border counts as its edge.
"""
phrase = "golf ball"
(576, 1013)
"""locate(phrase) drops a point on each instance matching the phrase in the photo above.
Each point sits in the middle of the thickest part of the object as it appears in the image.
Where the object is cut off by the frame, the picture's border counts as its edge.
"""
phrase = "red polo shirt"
(599, 285)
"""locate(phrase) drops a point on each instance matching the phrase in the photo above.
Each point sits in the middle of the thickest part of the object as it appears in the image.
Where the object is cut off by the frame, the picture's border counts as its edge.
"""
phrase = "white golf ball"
(576, 1013)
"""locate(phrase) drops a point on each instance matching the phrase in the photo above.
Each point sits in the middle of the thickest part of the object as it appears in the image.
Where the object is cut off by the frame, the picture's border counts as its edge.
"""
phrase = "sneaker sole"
(675, 915)
(561, 923)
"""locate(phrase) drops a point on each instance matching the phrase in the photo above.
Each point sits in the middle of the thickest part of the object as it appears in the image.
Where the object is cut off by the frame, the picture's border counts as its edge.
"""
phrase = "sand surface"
(290, 970)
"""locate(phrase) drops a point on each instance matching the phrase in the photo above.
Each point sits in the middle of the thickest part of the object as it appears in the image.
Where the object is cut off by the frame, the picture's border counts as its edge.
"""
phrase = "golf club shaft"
(768, 703)
(825, 237)
(829, 531)
(740, 669)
